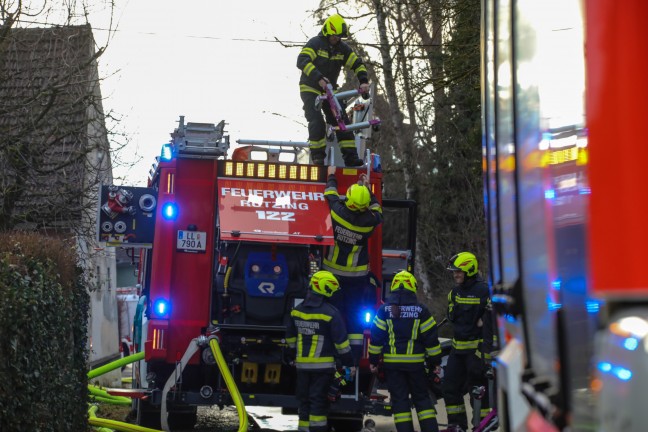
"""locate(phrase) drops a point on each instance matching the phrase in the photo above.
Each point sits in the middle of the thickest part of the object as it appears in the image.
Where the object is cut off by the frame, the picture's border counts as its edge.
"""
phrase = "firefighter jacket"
(351, 230)
(317, 331)
(320, 59)
(467, 304)
(404, 341)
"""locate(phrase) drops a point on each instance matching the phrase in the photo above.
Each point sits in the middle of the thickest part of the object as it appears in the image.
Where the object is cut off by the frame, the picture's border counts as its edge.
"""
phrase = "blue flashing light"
(553, 306)
(592, 306)
(161, 308)
(510, 318)
(630, 343)
(585, 191)
(556, 284)
(550, 194)
(622, 373)
(499, 299)
(367, 317)
(167, 153)
(170, 211)
(604, 366)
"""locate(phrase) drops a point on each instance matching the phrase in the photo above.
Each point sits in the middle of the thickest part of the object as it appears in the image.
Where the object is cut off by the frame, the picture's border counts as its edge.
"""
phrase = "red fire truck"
(229, 248)
(564, 103)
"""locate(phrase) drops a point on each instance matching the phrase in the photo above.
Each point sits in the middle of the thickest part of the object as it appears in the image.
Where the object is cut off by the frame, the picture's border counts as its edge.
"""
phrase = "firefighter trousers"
(462, 372)
(312, 390)
(317, 126)
(402, 383)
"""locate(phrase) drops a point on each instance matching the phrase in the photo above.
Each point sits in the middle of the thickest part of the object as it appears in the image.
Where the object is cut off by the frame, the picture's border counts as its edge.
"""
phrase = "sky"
(209, 60)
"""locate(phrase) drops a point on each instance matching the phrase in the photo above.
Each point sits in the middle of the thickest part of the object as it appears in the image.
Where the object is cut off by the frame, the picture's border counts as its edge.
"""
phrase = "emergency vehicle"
(566, 210)
(229, 248)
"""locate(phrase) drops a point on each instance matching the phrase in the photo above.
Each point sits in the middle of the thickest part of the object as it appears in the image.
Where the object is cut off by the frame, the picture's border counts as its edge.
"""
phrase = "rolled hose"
(231, 385)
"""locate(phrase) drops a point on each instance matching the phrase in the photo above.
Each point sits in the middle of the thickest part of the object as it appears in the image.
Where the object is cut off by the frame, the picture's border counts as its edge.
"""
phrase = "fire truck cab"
(230, 246)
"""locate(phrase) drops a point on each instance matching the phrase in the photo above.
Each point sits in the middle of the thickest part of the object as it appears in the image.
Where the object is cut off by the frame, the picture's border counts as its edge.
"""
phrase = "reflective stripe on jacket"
(351, 230)
(318, 58)
(407, 339)
(317, 331)
(466, 306)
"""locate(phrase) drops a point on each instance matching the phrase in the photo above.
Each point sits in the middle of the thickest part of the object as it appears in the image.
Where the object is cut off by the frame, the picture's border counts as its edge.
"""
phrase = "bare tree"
(425, 58)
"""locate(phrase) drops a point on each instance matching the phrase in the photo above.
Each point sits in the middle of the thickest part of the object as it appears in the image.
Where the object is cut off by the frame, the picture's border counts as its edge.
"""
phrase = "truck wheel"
(147, 415)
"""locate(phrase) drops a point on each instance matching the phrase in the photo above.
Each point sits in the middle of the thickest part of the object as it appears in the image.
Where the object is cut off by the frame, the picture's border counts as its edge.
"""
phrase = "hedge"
(43, 333)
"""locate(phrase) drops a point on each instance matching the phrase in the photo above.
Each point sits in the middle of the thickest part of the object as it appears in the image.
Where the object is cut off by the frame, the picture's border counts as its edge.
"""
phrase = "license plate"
(191, 241)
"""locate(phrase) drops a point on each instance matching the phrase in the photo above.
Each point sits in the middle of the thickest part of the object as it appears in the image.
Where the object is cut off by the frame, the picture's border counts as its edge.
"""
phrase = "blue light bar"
(167, 153)
(170, 211)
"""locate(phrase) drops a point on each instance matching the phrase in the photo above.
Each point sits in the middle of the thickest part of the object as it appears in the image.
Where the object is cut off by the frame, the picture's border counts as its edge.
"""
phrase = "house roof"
(51, 125)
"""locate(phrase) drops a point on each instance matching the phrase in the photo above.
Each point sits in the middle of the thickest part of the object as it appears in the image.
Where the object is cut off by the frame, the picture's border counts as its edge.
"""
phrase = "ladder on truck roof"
(200, 140)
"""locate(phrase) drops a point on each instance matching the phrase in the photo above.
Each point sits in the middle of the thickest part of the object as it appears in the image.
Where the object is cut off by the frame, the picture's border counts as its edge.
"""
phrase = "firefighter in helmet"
(317, 332)
(405, 332)
(320, 62)
(468, 308)
(354, 221)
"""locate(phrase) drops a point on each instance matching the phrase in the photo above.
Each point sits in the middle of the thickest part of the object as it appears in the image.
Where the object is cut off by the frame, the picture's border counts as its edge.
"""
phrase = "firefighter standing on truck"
(317, 331)
(320, 61)
(405, 333)
(354, 220)
(468, 306)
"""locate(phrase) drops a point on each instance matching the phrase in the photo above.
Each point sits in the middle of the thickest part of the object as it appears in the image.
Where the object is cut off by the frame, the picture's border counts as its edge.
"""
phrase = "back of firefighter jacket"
(404, 336)
(351, 230)
(317, 331)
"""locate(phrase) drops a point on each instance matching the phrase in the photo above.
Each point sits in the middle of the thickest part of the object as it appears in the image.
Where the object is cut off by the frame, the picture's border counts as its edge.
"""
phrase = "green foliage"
(43, 328)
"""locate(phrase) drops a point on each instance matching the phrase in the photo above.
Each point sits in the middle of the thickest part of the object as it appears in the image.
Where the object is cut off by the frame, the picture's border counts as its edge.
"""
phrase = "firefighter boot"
(350, 156)
(318, 156)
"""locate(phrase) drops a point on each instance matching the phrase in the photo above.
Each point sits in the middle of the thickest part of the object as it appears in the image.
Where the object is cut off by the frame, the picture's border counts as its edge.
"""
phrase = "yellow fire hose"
(106, 425)
(94, 373)
(193, 347)
(231, 385)
(102, 395)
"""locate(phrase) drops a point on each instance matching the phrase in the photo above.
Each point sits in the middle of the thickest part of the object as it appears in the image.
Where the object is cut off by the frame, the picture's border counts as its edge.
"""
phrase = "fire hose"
(231, 385)
(106, 425)
(193, 347)
(100, 395)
